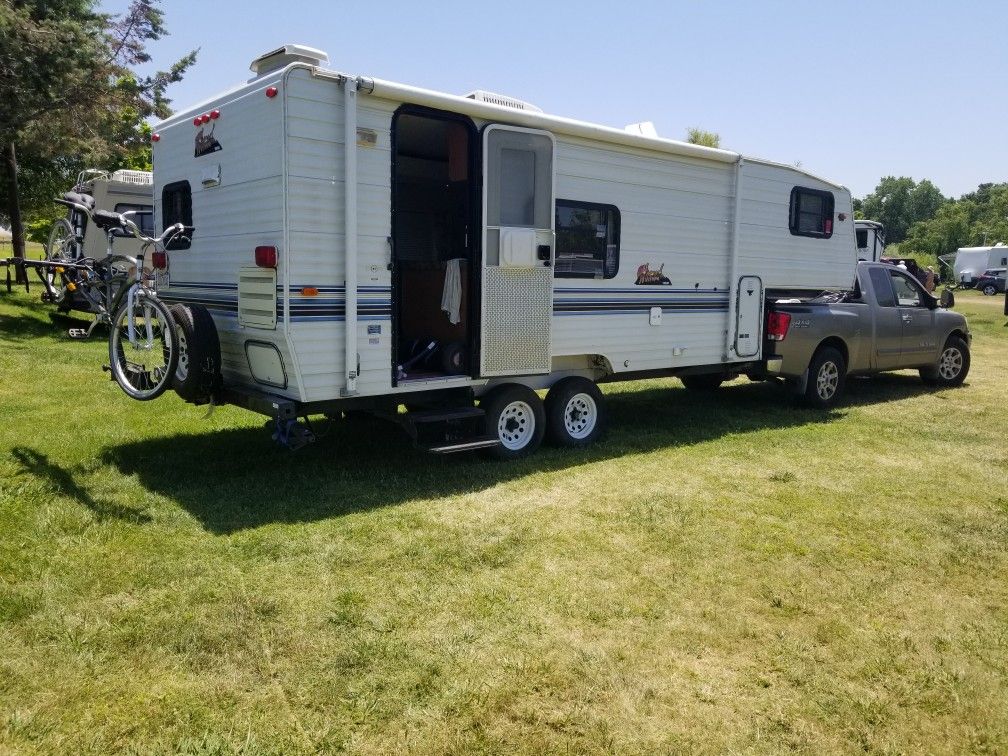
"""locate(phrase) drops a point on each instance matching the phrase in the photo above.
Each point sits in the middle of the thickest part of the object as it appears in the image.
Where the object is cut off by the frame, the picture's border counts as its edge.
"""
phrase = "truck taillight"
(266, 257)
(777, 325)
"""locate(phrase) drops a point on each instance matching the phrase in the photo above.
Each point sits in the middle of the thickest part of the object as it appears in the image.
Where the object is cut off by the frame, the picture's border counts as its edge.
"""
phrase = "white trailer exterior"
(330, 170)
(970, 262)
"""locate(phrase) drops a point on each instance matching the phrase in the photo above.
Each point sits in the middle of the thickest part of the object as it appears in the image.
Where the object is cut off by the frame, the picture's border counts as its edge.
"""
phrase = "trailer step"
(476, 443)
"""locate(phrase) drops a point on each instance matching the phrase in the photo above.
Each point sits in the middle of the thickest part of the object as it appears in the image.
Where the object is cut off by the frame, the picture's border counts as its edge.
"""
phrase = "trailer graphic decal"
(648, 277)
(206, 143)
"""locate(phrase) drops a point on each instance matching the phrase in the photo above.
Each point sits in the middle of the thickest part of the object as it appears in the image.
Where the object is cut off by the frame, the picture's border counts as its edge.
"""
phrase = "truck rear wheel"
(826, 377)
(515, 415)
(575, 412)
(952, 367)
(198, 371)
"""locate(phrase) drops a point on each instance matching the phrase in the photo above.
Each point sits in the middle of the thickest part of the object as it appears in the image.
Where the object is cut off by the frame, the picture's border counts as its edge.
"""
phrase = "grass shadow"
(62, 482)
(236, 479)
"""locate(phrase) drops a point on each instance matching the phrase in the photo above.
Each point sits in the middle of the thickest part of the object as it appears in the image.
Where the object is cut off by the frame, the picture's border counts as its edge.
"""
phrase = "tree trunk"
(14, 205)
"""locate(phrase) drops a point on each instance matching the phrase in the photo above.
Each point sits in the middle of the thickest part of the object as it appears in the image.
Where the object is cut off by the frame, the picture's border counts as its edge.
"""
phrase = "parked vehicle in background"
(991, 282)
(967, 263)
(887, 322)
(76, 236)
(870, 239)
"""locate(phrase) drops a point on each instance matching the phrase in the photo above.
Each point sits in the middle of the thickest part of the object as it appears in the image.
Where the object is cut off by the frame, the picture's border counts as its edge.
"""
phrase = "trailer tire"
(197, 375)
(515, 415)
(952, 366)
(575, 412)
(703, 382)
(826, 378)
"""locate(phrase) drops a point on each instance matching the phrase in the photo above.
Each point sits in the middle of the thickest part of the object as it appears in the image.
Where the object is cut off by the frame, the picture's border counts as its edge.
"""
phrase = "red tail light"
(777, 325)
(160, 260)
(266, 257)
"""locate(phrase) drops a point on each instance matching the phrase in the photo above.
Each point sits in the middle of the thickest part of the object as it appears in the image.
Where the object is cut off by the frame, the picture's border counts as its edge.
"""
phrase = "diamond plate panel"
(517, 315)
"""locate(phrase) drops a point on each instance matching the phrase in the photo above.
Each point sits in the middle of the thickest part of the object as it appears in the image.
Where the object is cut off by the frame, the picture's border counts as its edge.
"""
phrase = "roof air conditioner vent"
(286, 55)
(481, 95)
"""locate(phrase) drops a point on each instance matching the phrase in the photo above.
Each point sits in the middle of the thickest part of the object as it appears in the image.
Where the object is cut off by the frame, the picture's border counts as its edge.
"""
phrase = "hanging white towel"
(451, 296)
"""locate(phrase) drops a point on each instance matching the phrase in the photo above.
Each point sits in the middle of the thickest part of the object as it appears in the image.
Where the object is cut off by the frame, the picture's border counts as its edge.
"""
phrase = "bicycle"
(143, 345)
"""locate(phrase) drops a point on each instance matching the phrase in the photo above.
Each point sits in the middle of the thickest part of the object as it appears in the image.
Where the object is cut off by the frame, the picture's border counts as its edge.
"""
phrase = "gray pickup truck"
(888, 322)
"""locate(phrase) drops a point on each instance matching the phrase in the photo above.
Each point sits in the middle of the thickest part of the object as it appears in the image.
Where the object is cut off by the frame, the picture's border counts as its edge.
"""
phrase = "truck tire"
(705, 382)
(575, 412)
(826, 378)
(952, 367)
(515, 415)
(197, 375)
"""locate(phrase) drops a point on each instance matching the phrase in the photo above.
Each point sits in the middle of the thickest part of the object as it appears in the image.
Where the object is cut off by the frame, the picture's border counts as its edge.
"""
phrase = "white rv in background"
(970, 262)
(870, 239)
(360, 244)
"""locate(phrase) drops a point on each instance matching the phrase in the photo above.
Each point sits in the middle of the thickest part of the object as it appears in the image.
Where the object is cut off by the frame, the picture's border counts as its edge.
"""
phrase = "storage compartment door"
(518, 249)
(749, 317)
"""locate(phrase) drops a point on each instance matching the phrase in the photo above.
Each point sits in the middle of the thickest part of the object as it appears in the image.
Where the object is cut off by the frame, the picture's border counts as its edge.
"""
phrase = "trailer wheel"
(826, 377)
(575, 412)
(515, 415)
(197, 375)
(952, 367)
(705, 382)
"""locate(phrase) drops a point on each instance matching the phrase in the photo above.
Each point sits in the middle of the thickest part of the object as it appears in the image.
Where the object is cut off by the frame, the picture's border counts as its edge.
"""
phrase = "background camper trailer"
(361, 244)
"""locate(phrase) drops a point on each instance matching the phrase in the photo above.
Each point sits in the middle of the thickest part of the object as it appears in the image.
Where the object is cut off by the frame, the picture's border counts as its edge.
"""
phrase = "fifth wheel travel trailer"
(970, 262)
(361, 244)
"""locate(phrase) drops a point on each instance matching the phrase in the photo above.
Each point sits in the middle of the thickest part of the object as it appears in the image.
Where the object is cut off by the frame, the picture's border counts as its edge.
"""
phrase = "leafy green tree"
(705, 138)
(69, 94)
(898, 203)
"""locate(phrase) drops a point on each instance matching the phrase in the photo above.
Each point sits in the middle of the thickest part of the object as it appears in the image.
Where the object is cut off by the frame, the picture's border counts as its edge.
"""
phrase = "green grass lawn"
(724, 573)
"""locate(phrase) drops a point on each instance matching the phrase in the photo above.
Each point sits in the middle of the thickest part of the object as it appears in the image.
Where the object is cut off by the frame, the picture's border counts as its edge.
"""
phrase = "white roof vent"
(481, 95)
(286, 55)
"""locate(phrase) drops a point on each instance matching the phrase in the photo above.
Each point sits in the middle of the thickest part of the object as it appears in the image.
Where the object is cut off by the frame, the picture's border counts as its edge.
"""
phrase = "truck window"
(907, 293)
(883, 287)
(587, 240)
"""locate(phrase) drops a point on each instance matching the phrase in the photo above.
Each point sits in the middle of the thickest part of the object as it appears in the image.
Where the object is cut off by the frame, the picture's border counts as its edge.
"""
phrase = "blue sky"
(852, 90)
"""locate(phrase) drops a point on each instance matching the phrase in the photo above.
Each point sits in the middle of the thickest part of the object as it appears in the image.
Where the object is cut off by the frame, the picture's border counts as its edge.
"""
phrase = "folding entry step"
(445, 431)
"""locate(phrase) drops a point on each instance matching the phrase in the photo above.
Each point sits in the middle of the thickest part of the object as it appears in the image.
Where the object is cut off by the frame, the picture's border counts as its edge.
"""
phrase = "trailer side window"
(862, 237)
(587, 240)
(176, 207)
(144, 215)
(811, 213)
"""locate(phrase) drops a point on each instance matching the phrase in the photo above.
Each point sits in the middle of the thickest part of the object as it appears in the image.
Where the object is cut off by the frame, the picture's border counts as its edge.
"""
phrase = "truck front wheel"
(826, 377)
(952, 367)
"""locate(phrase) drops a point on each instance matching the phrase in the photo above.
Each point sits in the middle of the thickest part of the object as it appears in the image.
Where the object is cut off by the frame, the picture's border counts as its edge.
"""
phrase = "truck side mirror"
(947, 299)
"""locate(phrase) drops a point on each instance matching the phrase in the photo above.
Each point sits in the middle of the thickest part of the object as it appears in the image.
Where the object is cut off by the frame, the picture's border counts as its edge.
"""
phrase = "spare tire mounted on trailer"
(197, 375)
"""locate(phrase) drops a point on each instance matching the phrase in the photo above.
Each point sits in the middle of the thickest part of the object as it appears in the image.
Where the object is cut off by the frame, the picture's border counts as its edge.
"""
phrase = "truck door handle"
(907, 319)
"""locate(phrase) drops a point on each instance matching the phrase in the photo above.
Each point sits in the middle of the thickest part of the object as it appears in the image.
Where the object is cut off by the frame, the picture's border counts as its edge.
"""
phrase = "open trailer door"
(518, 251)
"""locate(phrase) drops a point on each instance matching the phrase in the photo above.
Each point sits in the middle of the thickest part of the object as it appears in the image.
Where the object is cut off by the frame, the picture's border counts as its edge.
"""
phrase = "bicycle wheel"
(62, 247)
(144, 365)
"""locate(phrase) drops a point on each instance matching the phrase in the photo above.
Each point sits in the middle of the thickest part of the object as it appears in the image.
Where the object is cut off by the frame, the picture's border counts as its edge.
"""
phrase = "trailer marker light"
(160, 260)
(266, 257)
(777, 325)
(309, 291)
(214, 114)
(205, 118)
(155, 137)
(271, 91)
(196, 121)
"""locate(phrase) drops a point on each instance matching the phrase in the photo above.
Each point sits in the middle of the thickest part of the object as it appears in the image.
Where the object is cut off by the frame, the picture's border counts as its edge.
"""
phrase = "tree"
(68, 92)
(898, 203)
(696, 135)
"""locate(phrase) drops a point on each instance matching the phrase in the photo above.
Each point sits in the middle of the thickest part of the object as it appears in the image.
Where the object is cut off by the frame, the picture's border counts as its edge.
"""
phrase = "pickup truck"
(887, 322)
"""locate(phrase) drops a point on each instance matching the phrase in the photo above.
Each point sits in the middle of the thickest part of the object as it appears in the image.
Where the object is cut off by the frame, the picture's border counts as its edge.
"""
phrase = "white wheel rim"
(516, 425)
(580, 416)
(183, 359)
(827, 380)
(951, 363)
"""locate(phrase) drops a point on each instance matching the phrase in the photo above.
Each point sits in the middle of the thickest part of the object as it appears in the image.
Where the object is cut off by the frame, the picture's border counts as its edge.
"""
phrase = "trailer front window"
(811, 213)
(587, 240)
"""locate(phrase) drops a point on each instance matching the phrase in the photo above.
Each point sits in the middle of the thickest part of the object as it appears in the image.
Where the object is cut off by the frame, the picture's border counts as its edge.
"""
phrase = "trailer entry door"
(518, 251)
(749, 317)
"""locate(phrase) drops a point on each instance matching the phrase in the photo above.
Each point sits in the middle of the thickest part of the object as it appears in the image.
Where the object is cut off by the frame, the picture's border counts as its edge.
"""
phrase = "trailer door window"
(176, 207)
(811, 213)
(587, 240)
